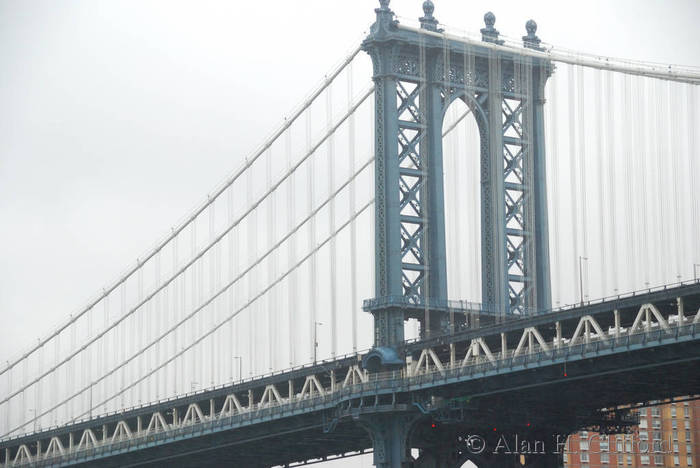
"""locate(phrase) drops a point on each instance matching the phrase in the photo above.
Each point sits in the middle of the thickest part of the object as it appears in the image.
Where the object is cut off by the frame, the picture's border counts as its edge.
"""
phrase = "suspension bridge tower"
(418, 73)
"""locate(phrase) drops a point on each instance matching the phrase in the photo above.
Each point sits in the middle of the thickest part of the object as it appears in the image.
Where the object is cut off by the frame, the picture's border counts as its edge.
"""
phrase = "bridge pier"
(390, 434)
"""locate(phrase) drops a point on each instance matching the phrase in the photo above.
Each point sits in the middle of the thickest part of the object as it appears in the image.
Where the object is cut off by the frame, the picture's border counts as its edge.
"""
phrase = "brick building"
(667, 436)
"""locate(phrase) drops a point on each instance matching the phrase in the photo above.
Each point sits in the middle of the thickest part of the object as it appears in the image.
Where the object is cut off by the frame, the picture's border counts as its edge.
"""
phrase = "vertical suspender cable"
(251, 245)
(125, 343)
(331, 222)
(554, 196)
(232, 241)
(353, 226)
(153, 329)
(175, 314)
(292, 307)
(212, 287)
(644, 195)
(572, 101)
(312, 239)
(194, 273)
(582, 167)
(599, 111)
(694, 172)
(675, 105)
(106, 355)
(271, 306)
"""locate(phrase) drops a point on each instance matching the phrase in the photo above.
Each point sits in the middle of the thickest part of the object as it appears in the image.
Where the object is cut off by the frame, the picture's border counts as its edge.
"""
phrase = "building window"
(675, 434)
(658, 459)
(584, 435)
(604, 458)
(657, 424)
(675, 447)
(676, 460)
(689, 460)
(584, 457)
(583, 445)
(619, 446)
(643, 423)
(643, 435)
(566, 458)
(674, 424)
(687, 425)
(657, 435)
(629, 459)
(604, 445)
(688, 448)
(644, 459)
(628, 447)
(673, 411)
(686, 412)
(655, 411)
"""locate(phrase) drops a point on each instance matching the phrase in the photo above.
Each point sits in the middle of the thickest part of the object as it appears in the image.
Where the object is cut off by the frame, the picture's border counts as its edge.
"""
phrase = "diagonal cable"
(209, 332)
(201, 253)
(176, 231)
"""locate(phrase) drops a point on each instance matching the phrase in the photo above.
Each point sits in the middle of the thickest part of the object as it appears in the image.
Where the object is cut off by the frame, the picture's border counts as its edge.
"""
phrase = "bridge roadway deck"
(554, 370)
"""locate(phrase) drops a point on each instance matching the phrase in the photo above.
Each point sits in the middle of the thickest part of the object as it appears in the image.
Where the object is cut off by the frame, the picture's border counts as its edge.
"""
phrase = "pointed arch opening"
(461, 147)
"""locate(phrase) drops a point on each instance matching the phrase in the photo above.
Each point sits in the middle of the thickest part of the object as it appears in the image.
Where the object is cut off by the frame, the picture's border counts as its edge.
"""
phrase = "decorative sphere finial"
(531, 41)
(428, 21)
(428, 8)
(489, 19)
(531, 27)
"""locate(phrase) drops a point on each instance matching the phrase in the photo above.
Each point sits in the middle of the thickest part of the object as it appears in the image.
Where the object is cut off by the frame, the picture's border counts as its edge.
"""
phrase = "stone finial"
(490, 20)
(428, 21)
(531, 41)
(489, 33)
(384, 14)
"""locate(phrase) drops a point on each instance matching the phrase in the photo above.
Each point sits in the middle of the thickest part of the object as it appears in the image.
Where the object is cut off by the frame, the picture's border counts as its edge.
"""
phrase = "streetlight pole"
(33, 413)
(240, 367)
(316, 324)
(580, 274)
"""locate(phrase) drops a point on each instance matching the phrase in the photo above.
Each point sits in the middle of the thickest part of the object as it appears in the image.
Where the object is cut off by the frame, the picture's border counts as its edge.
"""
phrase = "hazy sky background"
(116, 118)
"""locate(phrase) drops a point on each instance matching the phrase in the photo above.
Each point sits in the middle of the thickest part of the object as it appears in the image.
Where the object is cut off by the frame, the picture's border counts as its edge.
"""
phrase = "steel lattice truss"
(515, 149)
(412, 174)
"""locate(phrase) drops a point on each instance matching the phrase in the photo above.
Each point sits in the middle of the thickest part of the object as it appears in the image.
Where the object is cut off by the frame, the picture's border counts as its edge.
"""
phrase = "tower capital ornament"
(531, 41)
(428, 21)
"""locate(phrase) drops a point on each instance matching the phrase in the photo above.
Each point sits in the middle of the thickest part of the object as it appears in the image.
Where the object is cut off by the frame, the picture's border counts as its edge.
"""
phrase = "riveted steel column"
(388, 321)
(541, 228)
(435, 191)
(493, 239)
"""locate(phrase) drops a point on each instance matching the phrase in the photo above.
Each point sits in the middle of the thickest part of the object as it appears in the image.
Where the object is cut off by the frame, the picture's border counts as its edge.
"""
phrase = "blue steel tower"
(418, 73)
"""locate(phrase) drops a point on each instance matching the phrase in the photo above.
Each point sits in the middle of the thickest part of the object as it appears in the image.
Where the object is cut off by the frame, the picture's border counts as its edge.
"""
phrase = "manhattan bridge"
(447, 191)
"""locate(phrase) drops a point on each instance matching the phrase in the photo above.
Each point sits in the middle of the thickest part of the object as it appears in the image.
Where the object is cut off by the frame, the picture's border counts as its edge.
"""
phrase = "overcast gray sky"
(118, 117)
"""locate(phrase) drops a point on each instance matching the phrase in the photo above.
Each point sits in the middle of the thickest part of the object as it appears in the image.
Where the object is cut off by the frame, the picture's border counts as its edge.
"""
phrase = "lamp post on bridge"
(316, 324)
(580, 274)
(240, 367)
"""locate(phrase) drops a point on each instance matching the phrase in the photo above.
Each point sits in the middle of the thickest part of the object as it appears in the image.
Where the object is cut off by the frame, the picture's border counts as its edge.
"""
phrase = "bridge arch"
(464, 147)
